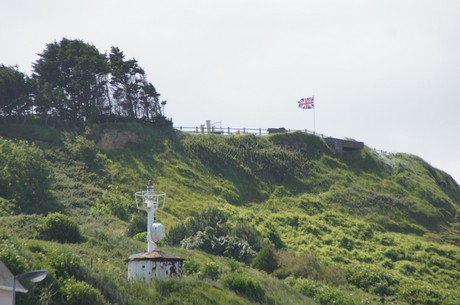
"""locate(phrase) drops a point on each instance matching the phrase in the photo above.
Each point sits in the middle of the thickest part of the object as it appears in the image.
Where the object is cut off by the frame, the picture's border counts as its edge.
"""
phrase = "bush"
(25, 175)
(137, 223)
(228, 246)
(86, 151)
(244, 285)
(274, 237)
(248, 233)
(76, 293)
(65, 264)
(210, 220)
(211, 271)
(233, 264)
(61, 228)
(191, 267)
(372, 279)
(11, 256)
(326, 295)
(418, 292)
(305, 265)
(323, 294)
(265, 260)
(113, 203)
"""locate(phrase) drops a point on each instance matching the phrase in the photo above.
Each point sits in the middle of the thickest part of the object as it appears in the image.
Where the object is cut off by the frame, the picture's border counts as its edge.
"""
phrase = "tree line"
(73, 81)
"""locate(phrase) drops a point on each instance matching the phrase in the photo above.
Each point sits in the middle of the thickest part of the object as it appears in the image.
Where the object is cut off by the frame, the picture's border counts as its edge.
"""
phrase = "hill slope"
(340, 228)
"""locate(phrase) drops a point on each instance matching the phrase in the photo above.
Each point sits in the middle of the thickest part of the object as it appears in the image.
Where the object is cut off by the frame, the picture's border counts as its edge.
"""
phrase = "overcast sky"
(385, 72)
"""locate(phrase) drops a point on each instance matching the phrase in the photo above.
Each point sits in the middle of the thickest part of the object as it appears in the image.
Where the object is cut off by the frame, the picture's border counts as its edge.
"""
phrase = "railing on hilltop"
(254, 131)
(243, 130)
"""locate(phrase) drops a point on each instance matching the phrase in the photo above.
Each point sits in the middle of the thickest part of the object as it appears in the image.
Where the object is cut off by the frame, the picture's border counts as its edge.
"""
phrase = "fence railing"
(242, 130)
(255, 131)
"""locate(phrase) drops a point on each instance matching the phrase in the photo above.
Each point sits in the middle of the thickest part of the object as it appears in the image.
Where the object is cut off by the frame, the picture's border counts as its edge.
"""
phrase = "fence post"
(260, 131)
(228, 130)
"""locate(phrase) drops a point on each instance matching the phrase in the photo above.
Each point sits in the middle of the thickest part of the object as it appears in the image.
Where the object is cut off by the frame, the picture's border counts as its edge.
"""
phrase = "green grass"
(370, 223)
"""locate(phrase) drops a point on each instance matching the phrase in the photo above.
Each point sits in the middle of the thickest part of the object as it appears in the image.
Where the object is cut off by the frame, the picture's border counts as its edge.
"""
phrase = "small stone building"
(154, 265)
(342, 146)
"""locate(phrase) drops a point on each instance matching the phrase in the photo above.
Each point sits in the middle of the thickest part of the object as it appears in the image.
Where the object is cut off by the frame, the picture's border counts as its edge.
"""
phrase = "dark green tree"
(149, 101)
(70, 77)
(25, 175)
(15, 98)
(126, 83)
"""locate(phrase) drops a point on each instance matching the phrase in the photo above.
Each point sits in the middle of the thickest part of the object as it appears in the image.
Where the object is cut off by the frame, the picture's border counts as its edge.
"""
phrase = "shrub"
(323, 294)
(231, 246)
(212, 220)
(418, 292)
(274, 237)
(113, 203)
(308, 266)
(11, 256)
(233, 264)
(142, 237)
(61, 228)
(76, 293)
(326, 295)
(85, 151)
(248, 233)
(244, 285)
(65, 264)
(228, 246)
(372, 278)
(265, 260)
(211, 271)
(394, 254)
(25, 175)
(137, 224)
(191, 267)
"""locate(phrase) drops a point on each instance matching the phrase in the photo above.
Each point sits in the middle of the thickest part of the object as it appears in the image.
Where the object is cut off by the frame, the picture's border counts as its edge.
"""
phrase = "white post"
(314, 122)
(150, 202)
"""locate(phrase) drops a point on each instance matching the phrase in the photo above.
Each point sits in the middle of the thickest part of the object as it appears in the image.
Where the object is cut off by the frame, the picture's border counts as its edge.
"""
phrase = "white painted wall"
(149, 270)
(6, 297)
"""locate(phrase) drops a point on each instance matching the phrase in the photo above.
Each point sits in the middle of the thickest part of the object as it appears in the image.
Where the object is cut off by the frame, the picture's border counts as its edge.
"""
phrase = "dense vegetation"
(279, 219)
(72, 82)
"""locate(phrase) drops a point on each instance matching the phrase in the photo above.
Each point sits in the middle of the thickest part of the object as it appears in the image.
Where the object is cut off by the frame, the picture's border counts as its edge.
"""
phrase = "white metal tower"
(150, 201)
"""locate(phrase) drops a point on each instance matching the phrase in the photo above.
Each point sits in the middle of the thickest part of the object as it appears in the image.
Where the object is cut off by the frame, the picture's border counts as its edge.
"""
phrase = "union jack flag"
(307, 103)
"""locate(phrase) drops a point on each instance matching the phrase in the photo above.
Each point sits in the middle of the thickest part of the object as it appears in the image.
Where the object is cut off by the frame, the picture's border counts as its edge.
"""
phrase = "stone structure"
(342, 146)
(154, 265)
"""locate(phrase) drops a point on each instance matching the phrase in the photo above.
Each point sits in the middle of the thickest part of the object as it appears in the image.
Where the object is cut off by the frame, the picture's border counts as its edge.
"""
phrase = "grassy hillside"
(279, 219)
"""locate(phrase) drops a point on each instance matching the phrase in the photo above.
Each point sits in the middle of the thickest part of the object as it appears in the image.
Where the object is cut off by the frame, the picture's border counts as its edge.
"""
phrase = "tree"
(126, 82)
(25, 175)
(14, 91)
(149, 101)
(70, 78)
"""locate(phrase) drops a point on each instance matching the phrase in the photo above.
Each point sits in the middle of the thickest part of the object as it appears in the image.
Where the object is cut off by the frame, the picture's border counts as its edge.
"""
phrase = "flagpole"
(314, 114)
(314, 121)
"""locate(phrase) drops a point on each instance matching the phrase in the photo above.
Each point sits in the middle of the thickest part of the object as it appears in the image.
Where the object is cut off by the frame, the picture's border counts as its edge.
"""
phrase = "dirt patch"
(113, 139)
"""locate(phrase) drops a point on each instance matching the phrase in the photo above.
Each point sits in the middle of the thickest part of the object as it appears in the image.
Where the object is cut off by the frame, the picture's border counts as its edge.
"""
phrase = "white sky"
(385, 72)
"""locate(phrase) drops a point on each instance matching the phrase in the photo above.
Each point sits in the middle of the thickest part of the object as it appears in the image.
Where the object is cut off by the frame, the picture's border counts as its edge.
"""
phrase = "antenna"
(150, 201)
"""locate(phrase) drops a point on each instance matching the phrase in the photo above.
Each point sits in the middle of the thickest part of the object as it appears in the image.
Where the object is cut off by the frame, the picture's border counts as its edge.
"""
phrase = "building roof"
(153, 255)
(7, 278)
